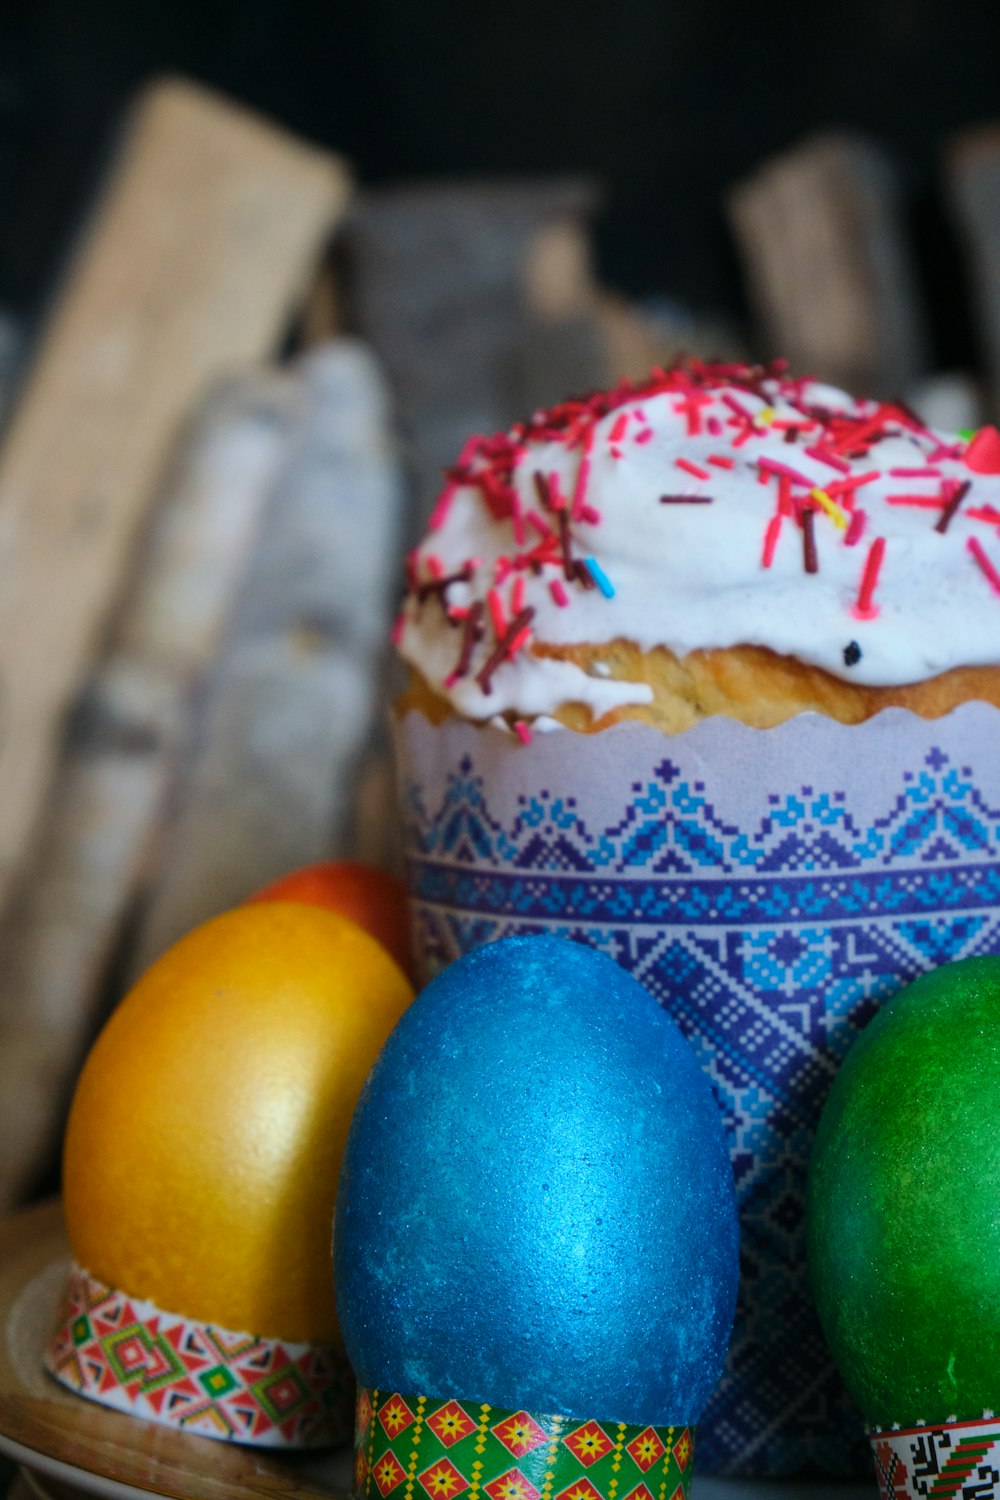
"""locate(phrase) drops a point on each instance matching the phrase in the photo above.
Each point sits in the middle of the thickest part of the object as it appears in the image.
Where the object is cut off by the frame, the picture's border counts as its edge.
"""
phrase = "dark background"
(667, 103)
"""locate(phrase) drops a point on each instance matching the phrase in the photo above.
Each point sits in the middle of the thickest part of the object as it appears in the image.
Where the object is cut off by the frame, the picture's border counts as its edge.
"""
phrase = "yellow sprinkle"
(831, 507)
(766, 415)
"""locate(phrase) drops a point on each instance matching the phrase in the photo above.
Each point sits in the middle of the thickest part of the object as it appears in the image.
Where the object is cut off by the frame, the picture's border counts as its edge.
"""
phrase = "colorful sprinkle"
(694, 470)
(771, 534)
(810, 560)
(947, 515)
(601, 578)
(865, 609)
(976, 548)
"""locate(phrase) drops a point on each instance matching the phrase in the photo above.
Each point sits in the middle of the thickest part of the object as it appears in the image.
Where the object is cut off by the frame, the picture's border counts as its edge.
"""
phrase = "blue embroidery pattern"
(771, 946)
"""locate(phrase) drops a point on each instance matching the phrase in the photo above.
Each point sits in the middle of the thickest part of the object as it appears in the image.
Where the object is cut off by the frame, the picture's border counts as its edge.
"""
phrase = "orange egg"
(205, 1135)
(373, 898)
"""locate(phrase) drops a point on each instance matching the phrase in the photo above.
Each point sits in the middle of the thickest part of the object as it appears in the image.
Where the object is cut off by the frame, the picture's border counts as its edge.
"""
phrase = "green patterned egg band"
(420, 1448)
(946, 1461)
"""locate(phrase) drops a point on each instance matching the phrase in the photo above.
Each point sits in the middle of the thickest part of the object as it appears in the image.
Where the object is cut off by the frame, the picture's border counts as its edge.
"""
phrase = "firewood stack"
(231, 429)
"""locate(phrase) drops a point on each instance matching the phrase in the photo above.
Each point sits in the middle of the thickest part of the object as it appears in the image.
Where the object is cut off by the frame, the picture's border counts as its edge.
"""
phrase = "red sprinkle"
(864, 609)
(497, 617)
(976, 548)
(824, 456)
(920, 502)
(855, 528)
(558, 592)
(771, 535)
(618, 430)
(522, 731)
(721, 461)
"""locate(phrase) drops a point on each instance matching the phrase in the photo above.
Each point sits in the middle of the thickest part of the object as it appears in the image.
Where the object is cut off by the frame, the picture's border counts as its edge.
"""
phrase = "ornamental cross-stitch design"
(955, 1461)
(771, 937)
(453, 1447)
(126, 1353)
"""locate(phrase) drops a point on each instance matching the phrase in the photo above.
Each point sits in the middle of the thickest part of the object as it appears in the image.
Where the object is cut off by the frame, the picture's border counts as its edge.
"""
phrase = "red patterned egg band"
(947, 1461)
(420, 1448)
(129, 1354)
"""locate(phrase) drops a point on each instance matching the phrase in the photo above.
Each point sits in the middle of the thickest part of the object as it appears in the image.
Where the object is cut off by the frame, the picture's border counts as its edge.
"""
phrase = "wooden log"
(296, 698)
(61, 931)
(972, 173)
(195, 257)
(827, 264)
(448, 280)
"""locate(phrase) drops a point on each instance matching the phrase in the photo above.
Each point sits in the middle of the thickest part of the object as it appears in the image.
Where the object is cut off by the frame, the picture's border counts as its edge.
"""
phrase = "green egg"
(903, 1208)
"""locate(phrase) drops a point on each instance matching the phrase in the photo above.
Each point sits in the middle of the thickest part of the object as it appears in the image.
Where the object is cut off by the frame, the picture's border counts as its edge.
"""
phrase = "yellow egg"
(205, 1135)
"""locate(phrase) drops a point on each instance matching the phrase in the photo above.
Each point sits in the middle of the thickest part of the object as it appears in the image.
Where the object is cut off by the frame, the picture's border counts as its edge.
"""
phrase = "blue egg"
(536, 1204)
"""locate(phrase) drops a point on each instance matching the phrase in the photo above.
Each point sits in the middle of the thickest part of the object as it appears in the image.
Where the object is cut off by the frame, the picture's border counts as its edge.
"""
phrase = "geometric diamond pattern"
(128, 1354)
(770, 913)
(588, 1443)
(448, 1447)
(519, 1433)
(450, 1424)
(646, 1448)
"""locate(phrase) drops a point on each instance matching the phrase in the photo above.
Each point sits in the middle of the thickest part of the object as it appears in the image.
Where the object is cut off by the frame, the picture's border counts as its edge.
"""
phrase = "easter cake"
(720, 540)
(705, 673)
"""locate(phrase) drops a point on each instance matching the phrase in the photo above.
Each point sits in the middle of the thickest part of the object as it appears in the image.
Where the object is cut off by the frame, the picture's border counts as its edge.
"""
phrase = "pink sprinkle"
(495, 606)
(398, 626)
(864, 609)
(690, 468)
(615, 452)
(558, 593)
(915, 473)
(821, 455)
(743, 436)
(644, 436)
(590, 514)
(771, 540)
(714, 426)
(435, 566)
(556, 495)
(517, 596)
(442, 506)
(785, 505)
(976, 548)
(522, 731)
(449, 682)
(730, 400)
(722, 461)
(535, 520)
(502, 569)
(855, 529)
(618, 430)
(778, 468)
(946, 450)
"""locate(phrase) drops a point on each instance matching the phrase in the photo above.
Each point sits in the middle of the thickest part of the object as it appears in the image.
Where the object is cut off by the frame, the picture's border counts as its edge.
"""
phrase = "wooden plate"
(95, 1450)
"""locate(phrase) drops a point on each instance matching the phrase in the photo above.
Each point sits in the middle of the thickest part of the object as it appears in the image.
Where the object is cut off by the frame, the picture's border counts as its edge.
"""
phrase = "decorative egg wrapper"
(949, 1461)
(129, 1354)
(770, 888)
(414, 1446)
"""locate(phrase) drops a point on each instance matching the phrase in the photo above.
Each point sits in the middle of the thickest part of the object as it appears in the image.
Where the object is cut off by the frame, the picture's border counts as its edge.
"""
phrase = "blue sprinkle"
(601, 578)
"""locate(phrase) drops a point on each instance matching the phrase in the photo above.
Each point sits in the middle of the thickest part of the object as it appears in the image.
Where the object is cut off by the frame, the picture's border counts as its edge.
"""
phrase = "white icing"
(691, 576)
